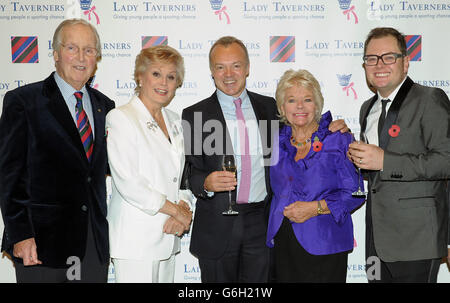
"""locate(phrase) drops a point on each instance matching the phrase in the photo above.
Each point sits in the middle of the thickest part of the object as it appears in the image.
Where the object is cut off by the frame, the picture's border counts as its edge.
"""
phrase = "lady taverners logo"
(85, 6)
(344, 81)
(347, 9)
(216, 5)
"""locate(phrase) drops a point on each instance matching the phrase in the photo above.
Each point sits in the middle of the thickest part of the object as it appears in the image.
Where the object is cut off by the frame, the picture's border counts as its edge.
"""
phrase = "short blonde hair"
(56, 43)
(301, 78)
(158, 54)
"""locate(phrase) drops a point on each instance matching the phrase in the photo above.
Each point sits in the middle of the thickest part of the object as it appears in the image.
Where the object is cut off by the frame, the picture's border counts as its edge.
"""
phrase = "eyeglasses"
(388, 58)
(73, 50)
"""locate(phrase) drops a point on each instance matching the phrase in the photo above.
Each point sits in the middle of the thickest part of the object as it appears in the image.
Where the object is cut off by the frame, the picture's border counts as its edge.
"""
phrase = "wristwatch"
(320, 210)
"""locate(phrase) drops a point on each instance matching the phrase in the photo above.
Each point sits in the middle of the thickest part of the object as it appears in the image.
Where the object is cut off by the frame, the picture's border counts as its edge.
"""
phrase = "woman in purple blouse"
(310, 224)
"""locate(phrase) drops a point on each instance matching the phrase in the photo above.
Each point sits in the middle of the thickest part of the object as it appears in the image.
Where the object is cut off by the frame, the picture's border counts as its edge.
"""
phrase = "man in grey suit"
(407, 160)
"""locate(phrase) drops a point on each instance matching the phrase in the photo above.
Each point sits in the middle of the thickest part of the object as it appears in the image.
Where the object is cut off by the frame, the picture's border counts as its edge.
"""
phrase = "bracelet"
(320, 210)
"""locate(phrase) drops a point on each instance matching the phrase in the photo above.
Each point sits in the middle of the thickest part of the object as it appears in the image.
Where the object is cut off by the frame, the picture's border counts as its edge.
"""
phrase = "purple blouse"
(326, 174)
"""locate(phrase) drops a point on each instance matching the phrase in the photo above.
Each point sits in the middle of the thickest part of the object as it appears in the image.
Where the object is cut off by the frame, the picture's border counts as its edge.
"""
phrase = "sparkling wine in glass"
(359, 137)
(229, 165)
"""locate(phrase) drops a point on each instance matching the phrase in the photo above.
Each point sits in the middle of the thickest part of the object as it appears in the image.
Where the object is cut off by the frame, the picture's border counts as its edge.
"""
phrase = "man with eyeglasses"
(407, 160)
(53, 165)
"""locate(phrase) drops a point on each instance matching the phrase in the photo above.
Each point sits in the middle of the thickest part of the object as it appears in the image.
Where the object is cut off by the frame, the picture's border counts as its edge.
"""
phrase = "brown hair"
(380, 32)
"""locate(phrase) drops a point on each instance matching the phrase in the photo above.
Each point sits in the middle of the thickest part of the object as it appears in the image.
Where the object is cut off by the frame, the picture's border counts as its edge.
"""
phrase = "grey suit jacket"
(408, 199)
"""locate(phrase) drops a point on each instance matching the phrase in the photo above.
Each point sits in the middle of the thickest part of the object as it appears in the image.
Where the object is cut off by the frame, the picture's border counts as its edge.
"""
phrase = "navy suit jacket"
(48, 188)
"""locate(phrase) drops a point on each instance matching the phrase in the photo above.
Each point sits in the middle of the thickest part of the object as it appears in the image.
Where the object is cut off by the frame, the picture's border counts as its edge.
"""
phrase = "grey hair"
(56, 43)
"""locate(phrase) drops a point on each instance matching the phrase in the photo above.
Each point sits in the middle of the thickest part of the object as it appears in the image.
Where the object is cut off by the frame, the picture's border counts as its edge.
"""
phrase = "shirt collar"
(226, 101)
(66, 89)
(393, 94)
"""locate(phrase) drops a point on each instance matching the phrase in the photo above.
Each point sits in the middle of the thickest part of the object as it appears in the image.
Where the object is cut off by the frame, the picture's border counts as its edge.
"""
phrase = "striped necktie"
(246, 162)
(83, 125)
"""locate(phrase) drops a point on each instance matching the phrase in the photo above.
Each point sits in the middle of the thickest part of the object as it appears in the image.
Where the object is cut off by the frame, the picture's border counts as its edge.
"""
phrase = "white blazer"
(146, 170)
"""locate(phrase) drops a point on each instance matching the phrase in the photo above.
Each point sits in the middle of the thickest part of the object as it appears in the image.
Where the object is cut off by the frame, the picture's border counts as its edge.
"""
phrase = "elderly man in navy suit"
(53, 164)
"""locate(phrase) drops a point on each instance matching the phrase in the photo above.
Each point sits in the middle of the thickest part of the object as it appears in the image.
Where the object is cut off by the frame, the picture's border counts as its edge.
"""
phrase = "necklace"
(299, 144)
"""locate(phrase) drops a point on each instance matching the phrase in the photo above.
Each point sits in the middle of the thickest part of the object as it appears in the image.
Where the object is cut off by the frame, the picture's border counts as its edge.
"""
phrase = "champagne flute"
(361, 138)
(229, 165)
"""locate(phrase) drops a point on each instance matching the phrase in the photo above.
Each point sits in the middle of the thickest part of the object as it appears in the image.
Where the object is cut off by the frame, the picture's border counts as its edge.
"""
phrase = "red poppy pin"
(394, 130)
(317, 145)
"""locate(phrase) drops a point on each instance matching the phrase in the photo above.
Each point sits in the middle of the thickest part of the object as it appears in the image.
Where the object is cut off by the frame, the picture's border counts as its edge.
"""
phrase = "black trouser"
(247, 256)
(294, 264)
(91, 270)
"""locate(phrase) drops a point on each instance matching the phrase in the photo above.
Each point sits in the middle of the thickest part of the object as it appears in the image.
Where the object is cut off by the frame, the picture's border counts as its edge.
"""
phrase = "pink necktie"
(246, 165)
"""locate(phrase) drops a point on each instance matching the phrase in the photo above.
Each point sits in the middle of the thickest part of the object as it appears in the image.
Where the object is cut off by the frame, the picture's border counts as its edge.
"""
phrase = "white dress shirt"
(374, 115)
(258, 184)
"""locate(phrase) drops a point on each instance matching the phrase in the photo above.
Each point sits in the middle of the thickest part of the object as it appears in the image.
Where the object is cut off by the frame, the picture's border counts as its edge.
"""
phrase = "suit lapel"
(364, 120)
(174, 131)
(394, 109)
(216, 113)
(147, 124)
(261, 115)
(176, 137)
(372, 101)
(391, 117)
(61, 113)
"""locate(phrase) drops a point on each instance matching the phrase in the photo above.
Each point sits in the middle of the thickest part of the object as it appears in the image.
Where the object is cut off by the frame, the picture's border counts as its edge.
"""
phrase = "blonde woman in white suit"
(148, 212)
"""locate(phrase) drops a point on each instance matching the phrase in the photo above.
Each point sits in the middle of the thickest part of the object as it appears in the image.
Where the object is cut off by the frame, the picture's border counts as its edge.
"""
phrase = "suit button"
(89, 179)
(84, 208)
(373, 191)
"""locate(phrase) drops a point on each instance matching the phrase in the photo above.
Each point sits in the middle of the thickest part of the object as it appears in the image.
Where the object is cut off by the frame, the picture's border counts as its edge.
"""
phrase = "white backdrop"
(324, 36)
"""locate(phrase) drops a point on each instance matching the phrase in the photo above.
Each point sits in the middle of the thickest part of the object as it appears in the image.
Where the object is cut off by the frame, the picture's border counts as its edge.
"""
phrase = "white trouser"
(144, 271)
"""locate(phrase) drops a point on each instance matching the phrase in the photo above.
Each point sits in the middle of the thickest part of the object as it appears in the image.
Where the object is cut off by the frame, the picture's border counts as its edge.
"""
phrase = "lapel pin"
(317, 145)
(152, 125)
(394, 130)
